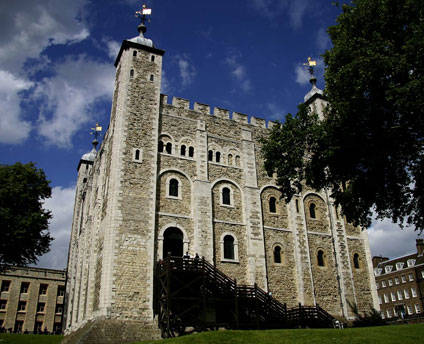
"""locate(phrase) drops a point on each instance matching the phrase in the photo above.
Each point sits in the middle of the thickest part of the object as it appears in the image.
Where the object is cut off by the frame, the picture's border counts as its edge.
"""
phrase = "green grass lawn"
(404, 334)
(29, 338)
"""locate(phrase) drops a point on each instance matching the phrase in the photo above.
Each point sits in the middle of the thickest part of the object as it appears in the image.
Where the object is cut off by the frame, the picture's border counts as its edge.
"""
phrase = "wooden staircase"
(191, 293)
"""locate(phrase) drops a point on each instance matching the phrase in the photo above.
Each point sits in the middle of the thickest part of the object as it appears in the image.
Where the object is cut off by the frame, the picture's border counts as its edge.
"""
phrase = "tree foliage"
(369, 148)
(23, 221)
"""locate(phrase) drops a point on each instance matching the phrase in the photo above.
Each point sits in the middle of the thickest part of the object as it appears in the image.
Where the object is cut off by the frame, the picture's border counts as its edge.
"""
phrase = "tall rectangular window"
(24, 287)
(43, 289)
(5, 285)
(22, 306)
(414, 292)
(393, 296)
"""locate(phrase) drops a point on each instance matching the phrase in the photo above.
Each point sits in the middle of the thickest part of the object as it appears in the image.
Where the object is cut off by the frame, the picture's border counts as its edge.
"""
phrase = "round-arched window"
(228, 247)
(226, 196)
(173, 187)
(312, 207)
(272, 205)
(277, 254)
(320, 258)
(356, 261)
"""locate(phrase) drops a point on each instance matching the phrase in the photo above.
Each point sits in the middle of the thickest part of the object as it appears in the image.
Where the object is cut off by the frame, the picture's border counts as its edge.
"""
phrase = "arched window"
(356, 261)
(277, 254)
(297, 206)
(169, 147)
(183, 150)
(151, 77)
(217, 156)
(160, 148)
(173, 188)
(272, 207)
(131, 73)
(230, 159)
(320, 258)
(134, 53)
(237, 160)
(173, 244)
(190, 152)
(210, 155)
(226, 196)
(137, 154)
(312, 210)
(228, 247)
(153, 58)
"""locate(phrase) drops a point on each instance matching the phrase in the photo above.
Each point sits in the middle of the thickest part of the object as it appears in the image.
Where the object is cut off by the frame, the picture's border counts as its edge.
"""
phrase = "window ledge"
(227, 205)
(173, 197)
(225, 260)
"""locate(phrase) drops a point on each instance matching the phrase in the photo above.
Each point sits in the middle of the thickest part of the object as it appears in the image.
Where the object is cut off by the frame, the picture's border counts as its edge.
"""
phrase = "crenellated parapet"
(205, 109)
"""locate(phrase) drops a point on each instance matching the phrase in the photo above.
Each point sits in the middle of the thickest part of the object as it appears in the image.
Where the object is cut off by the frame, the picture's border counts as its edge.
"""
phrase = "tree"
(23, 221)
(369, 148)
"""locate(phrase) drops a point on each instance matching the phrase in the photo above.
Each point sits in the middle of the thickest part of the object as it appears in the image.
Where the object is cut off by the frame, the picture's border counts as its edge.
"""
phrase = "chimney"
(420, 247)
(377, 260)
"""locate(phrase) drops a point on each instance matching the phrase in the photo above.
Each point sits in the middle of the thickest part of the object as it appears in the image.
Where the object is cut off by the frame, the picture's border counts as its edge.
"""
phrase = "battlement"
(205, 109)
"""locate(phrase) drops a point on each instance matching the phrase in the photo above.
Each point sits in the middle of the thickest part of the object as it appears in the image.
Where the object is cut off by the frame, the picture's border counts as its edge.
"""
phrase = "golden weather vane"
(143, 13)
(96, 131)
(310, 64)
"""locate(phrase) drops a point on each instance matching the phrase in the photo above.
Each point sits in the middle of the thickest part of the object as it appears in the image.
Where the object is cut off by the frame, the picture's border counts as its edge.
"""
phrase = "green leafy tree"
(23, 221)
(369, 148)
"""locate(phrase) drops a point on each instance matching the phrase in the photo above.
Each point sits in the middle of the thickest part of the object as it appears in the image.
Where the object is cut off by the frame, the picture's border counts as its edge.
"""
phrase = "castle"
(173, 179)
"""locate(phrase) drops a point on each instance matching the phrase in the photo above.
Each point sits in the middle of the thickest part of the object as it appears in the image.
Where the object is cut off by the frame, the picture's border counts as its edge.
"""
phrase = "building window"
(388, 268)
(217, 156)
(297, 206)
(389, 313)
(24, 287)
(413, 292)
(393, 296)
(137, 155)
(134, 53)
(377, 285)
(169, 148)
(131, 73)
(183, 150)
(38, 327)
(152, 58)
(5, 285)
(19, 324)
(320, 258)
(409, 307)
(61, 290)
(411, 277)
(410, 262)
(226, 196)
(21, 306)
(230, 159)
(41, 307)
(59, 309)
(356, 261)
(173, 187)
(152, 77)
(399, 266)
(386, 298)
(422, 274)
(406, 293)
(396, 280)
(417, 309)
(399, 295)
(210, 155)
(191, 152)
(3, 304)
(390, 282)
(160, 147)
(57, 328)
(272, 207)
(383, 284)
(228, 247)
(403, 279)
(277, 254)
(43, 289)
(237, 161)
(380, 300)
(312, 210)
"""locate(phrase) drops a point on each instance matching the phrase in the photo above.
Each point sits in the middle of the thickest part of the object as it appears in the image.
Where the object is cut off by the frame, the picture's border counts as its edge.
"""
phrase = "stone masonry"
(166, 164)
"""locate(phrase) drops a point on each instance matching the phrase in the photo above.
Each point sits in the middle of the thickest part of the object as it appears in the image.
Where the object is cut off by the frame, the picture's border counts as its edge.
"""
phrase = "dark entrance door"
(173, 242)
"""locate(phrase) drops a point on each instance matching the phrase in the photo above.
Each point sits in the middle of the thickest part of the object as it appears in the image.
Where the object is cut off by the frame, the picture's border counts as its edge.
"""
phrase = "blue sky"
(57, 74)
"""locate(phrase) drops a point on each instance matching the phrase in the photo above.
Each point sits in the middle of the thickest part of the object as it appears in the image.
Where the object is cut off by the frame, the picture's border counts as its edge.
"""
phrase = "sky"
(57, 77)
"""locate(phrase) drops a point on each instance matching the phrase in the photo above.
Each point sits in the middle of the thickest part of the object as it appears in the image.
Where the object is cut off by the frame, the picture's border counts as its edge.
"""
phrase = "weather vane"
(96, 131)
(143, 13)
(310, 64)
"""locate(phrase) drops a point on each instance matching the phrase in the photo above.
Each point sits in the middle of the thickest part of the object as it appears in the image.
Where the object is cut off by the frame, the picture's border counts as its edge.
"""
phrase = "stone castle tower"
(169, 178)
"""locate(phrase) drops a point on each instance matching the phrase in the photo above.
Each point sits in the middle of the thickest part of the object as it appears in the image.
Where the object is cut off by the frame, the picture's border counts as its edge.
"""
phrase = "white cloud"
(276, 111)
(13, 129)
(165, 86)
(62, 205)
(323, 40)
(113, 49)
(187, 70)
(295, 9)
(28, 27)
(238, 72)
(69, 97)
(389, 240)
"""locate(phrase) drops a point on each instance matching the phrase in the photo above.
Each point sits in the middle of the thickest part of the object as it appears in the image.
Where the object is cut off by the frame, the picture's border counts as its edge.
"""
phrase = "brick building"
(32, 299)
(170, 177)
(400, 284)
